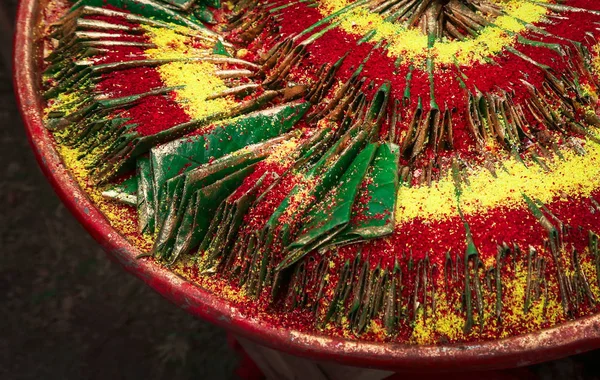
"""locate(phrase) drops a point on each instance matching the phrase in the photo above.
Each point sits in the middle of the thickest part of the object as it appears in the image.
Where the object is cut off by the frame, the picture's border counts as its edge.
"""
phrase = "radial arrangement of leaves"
(423, 171)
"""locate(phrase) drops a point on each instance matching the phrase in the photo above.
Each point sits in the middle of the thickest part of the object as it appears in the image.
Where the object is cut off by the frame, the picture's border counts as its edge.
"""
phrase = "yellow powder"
(173, 43)
(118, 215)
(411, 44)
(65, 102)
(198, 79)
(576, 176)
(200, 82)
(212, 284)
(377, 329)
(435, 202)
(596, 59)
(300, 199)
(281, 154)
(514, 301)
(446, 321)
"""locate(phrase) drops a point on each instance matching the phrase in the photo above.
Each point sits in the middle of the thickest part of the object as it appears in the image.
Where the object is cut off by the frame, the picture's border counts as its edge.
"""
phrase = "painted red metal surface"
(566, 339)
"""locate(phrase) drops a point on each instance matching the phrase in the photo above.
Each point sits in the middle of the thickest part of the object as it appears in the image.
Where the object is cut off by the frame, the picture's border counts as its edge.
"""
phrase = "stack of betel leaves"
(423, 171)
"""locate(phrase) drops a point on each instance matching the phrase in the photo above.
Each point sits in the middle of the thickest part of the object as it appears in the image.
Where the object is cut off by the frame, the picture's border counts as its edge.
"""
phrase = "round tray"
(563, 340)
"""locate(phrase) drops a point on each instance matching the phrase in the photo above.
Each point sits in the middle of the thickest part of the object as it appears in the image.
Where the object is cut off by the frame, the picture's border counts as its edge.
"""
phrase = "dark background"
(67, 312)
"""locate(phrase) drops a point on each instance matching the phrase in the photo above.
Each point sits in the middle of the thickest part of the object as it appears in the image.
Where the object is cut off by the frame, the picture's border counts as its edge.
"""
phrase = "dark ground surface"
(67, 312)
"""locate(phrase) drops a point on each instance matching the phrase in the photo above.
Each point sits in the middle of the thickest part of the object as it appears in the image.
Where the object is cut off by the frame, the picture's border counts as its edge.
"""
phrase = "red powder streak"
(581, 216)
(297, 18)
(504, 225)
(421, 238)
(262, 169)
(256, 218)
(130, 81)
(489, 230)
(335, 44)
(577, 24)
(156, 113)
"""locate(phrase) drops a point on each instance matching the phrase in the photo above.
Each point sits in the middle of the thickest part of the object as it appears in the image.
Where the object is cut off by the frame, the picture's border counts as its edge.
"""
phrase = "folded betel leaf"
(333, 213)
(146, 8)
(180, 190)
(219, 48)
(373, 213)
(303, 157)
(205, 15)
(378, 109)
(216, 246)
(124, 192)
(145, 197)
(319, 180)
(202, 207)
(180, 156)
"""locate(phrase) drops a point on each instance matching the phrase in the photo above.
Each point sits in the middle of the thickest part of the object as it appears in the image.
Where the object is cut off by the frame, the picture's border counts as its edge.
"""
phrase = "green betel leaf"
(334, 211)
(219, 47)
(216, 248)
(181, 189)
(223, 239)
(146, 8)
(206, 202)
(145, 196)
(183, 155)
(373, 215)
(321, 178)
(204, 14)
(124, 192)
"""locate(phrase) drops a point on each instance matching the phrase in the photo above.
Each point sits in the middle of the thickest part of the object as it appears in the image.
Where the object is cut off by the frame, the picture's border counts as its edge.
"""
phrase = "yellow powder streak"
(411, 44)
(596, 59)
(116, 213)
(282, 153)
(576, 176)
(198, 78)
(448, 322)
(64, 102)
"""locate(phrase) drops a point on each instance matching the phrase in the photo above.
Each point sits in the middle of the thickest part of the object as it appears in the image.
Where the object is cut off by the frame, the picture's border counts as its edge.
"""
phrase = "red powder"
(297, 18)
(503, 225)
(257, 216)
(579, 216)
(156, 113)
(130, 81)
(261, 169)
